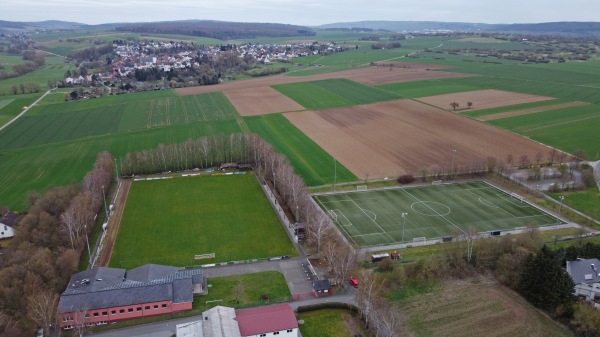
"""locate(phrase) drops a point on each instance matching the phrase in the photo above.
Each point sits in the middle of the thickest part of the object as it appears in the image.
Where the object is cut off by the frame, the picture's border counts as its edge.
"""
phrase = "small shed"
(395, 256)
(322, 288)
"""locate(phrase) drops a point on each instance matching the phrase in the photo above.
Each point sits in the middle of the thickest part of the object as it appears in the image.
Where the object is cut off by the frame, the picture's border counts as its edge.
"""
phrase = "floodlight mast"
(404, 215)
(562, 198)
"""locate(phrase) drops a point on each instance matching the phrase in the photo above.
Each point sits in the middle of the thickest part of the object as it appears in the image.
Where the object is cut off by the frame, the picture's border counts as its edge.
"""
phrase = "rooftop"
(266, 319)
(584, 270)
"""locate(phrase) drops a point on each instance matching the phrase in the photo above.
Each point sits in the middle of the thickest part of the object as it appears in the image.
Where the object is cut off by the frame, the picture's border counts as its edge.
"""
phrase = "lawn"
(242, 291)
(54, 69)
(327, 322)
(587, 201)
(171, 221)
(309, 160)
(374, 217)
(333, 93)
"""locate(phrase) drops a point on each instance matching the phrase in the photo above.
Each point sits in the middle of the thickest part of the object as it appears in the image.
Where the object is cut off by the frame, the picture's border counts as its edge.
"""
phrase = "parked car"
(353, 282)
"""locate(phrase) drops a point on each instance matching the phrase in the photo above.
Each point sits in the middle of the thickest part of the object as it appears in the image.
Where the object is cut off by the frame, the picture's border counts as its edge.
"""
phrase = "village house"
(586, 276)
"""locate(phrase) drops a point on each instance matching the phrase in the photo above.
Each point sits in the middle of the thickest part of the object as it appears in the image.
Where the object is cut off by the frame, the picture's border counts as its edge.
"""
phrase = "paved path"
(596, 167)
(25, 110)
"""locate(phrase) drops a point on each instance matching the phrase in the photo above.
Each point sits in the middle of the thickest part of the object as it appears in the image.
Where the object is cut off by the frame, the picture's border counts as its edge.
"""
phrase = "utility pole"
(562, 198)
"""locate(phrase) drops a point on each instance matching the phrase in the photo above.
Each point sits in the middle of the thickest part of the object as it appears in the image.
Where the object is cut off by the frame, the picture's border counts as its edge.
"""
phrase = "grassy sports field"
(372, 218)
(171, 221)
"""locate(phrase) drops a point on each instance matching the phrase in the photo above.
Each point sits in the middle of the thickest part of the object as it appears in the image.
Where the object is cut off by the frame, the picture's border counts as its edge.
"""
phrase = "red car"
(353, 282)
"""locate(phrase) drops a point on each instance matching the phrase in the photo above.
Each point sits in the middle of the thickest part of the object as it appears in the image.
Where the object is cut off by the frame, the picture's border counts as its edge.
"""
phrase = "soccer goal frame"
(362, 188)
(419, 241)
(333, 215)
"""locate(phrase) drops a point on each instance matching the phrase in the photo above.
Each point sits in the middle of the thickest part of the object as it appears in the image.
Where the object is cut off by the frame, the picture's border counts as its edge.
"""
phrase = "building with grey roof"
(586, 276)
(104, 295)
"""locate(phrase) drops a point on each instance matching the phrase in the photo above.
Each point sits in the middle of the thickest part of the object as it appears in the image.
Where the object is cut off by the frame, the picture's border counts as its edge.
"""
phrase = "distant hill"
(218, 29)
(550, 28)
(39, 25)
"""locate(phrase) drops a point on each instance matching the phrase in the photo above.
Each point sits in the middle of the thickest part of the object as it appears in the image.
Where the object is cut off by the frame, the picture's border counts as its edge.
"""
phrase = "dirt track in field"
(367, 76)
(393, 138)
(113, 224)
(482, 99)
(261, 100)
(529, 111)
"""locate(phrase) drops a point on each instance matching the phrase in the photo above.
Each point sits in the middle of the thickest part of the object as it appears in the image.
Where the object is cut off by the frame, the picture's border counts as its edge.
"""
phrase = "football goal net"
(419, 241)
(361, 188)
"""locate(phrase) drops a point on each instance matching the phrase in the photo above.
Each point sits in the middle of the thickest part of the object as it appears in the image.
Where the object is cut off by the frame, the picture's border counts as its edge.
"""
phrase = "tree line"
(46, 249)
(219, 30)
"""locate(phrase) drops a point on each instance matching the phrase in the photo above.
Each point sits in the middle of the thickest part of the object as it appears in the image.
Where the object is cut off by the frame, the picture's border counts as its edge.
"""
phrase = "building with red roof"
(276, 320)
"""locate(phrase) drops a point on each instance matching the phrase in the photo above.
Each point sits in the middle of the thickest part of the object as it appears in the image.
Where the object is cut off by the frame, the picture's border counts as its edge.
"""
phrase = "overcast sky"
(301, 12)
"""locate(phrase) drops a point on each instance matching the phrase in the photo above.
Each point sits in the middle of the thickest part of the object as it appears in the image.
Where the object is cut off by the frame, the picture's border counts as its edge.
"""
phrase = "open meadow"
(170, 221)
(487, 309)
(374, 218)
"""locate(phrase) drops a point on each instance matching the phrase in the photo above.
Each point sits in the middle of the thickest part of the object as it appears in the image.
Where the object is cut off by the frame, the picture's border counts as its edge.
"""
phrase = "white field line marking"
(368, 234)
(443, 217)
(374, 215)
(375, 222)
(491, 203)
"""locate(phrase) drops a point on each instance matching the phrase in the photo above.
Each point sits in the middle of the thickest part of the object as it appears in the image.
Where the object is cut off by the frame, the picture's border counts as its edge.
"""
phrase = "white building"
(586, 276)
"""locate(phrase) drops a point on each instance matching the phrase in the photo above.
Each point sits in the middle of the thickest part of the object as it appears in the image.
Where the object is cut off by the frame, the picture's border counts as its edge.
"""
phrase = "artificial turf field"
(373, 218)
(170, 221)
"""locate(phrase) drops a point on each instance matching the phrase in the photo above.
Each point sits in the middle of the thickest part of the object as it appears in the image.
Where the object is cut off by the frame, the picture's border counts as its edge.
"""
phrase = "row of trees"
(46, 250)
(33, 61)
(211, 151)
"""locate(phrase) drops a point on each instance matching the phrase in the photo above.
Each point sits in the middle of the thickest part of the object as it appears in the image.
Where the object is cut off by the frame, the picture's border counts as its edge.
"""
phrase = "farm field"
(170, 221)
(333, 93)
(45, 127)
(11, 106)
(38, 167)
(374, 218)
(54, 69)
(424, 88)
(568, 129)
(309, 160)
(399, 137)
(488, 309)
(481, 99)
(260, 101)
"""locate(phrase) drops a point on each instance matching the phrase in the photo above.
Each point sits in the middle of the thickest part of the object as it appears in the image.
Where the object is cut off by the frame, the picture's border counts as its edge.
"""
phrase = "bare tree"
(509, 159)
(79, 322)
(470, 236)
(454, 105)
(340, 258)
(366, 298)
(470, 105)
(551, 155)
(320, 228)
(41, 308)
(524, 161)
(538, 158)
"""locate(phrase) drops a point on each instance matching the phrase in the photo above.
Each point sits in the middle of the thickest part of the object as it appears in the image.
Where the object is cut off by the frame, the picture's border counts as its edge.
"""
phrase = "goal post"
(419, 241)
(361, 188)
(204, 256)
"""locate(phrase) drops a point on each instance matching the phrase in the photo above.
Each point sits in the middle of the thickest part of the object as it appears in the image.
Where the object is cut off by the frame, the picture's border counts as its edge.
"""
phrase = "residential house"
(586, 276)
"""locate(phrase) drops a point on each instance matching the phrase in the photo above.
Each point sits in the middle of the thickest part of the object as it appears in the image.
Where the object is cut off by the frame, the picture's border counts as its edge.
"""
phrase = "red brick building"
(104, 295)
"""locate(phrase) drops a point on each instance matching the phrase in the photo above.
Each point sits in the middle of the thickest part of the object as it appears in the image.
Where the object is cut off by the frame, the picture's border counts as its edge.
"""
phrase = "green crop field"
(333, 93)
(373, 218)
(424, 88)
(37, 168)
(309, 160)
(11, 106)
(569, 129)
(171, 221)
(54, 69)
(46, 126)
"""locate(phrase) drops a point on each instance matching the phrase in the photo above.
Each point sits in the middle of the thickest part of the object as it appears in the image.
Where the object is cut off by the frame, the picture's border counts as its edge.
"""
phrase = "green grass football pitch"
(170, 221)
(373, 218)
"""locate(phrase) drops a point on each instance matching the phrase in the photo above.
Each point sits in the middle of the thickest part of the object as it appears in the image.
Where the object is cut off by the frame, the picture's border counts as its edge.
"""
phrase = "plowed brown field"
(482, 99)
(392, 138)
(368, 76)
(261, 100)
(529, 111)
